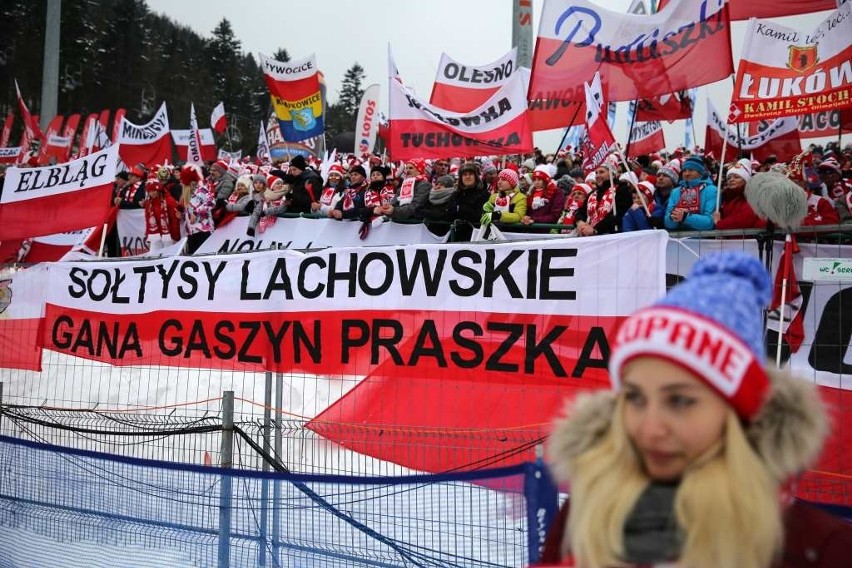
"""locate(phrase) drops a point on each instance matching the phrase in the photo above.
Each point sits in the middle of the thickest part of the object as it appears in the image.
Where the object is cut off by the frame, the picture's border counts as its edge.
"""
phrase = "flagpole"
(788, 250)
(721, 169)
(638, 192)
(103, 241)
(632, 123)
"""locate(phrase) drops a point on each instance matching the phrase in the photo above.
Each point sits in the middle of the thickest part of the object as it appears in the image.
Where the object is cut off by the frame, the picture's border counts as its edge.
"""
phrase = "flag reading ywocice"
(787, 72)
(294, 88)
(637, 56)
(55, 199)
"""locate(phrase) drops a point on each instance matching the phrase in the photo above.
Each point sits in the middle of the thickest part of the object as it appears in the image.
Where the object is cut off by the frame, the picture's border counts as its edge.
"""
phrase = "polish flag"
(217, 118)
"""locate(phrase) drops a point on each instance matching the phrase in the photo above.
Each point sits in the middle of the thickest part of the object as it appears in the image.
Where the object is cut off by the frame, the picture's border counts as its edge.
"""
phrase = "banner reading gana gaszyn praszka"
(779, 139)
(637, 56)
(148, 144)
(420, 130)
(787, 72)
(462, 88)
(55, 199)
(477, 322)
(294, 88)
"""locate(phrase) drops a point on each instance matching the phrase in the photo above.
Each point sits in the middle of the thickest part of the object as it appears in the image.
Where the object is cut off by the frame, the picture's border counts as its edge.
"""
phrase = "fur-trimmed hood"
(787, 434)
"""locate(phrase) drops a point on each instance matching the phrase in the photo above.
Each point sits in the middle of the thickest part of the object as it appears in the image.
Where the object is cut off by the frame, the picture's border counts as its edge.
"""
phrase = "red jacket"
(738, 214)
(813, 539)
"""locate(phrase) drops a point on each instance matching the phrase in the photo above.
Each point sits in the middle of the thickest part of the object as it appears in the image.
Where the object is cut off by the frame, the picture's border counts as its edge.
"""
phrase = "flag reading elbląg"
(295, 92)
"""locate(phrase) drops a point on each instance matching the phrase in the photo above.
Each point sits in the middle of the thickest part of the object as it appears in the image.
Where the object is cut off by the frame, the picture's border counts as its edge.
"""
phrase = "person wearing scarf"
(441, 209)
(507, 204)
(162, 225)
(692, 203)
(636, 219)
(413, 193)
(352, 206)
(272, 203)
(332, 193)
(380, 192)
(606, 205)
(575, 206)
(198, 201)
(545, 200)
(689, 460)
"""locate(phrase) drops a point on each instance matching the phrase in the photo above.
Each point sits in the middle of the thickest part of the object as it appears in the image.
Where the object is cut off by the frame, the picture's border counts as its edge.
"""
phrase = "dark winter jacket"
(305, 189)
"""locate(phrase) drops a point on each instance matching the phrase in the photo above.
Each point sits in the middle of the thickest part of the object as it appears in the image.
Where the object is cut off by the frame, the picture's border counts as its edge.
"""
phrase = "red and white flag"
(68, 133)
(21, 313)
(10, 155)
(193, 148)
(30, 124)
(116, 124)
(669, 107)
(53, 145)
(646, 138)
(745, 9)
(180, 138)
(419, 130)
(218, 120)
(148, 144)
(779, 139)
(787, 72)
(7, 129)
(599, 140)
(86, 134)
(54, 199)
(461, 88)
(637, 56)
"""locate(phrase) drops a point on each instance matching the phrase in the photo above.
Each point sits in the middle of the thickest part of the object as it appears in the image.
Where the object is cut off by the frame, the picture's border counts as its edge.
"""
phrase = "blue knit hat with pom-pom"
(711, 325)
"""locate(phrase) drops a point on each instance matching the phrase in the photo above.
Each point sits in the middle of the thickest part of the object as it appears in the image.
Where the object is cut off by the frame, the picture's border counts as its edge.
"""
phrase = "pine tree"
(351, 90)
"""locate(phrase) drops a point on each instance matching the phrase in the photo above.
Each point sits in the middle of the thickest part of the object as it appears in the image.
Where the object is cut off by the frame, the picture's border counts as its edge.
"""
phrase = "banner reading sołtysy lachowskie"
(55, 199)
(461, 88)
(637, 56)
(147, 144)
(420, 130)
(294, 88)
(787, 72)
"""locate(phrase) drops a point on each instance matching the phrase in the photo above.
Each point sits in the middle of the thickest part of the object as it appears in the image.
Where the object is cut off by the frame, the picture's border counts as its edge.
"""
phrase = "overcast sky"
(342, 32)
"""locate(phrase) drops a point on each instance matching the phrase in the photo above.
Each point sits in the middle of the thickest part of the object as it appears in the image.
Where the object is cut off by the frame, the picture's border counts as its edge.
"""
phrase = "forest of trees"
(118, 54)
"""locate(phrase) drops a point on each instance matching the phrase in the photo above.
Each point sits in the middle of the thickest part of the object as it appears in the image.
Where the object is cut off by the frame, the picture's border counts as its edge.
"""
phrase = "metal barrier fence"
(64, 507)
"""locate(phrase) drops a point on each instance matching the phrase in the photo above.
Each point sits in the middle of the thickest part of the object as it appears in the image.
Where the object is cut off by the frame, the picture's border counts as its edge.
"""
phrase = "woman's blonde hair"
(186, 192)
(727, 505)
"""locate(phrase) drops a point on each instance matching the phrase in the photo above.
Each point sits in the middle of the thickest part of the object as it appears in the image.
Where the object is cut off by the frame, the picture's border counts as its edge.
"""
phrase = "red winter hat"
(508, 175)
(189, 174)
(419, 164)
(137, 171)
(336, 169)
(222, 165)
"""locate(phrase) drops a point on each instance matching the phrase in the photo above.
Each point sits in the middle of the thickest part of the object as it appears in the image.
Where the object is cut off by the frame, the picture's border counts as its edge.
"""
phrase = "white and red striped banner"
(745, 9)
(54, 199)
(787, 72)
(637, 56)
(599, 140)
(779, 139)
(180, 138)
(646, 138)
(10, 155)
(147, 144)
(461, 88)
(218, 120)
(21, 312)
(420, 130)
